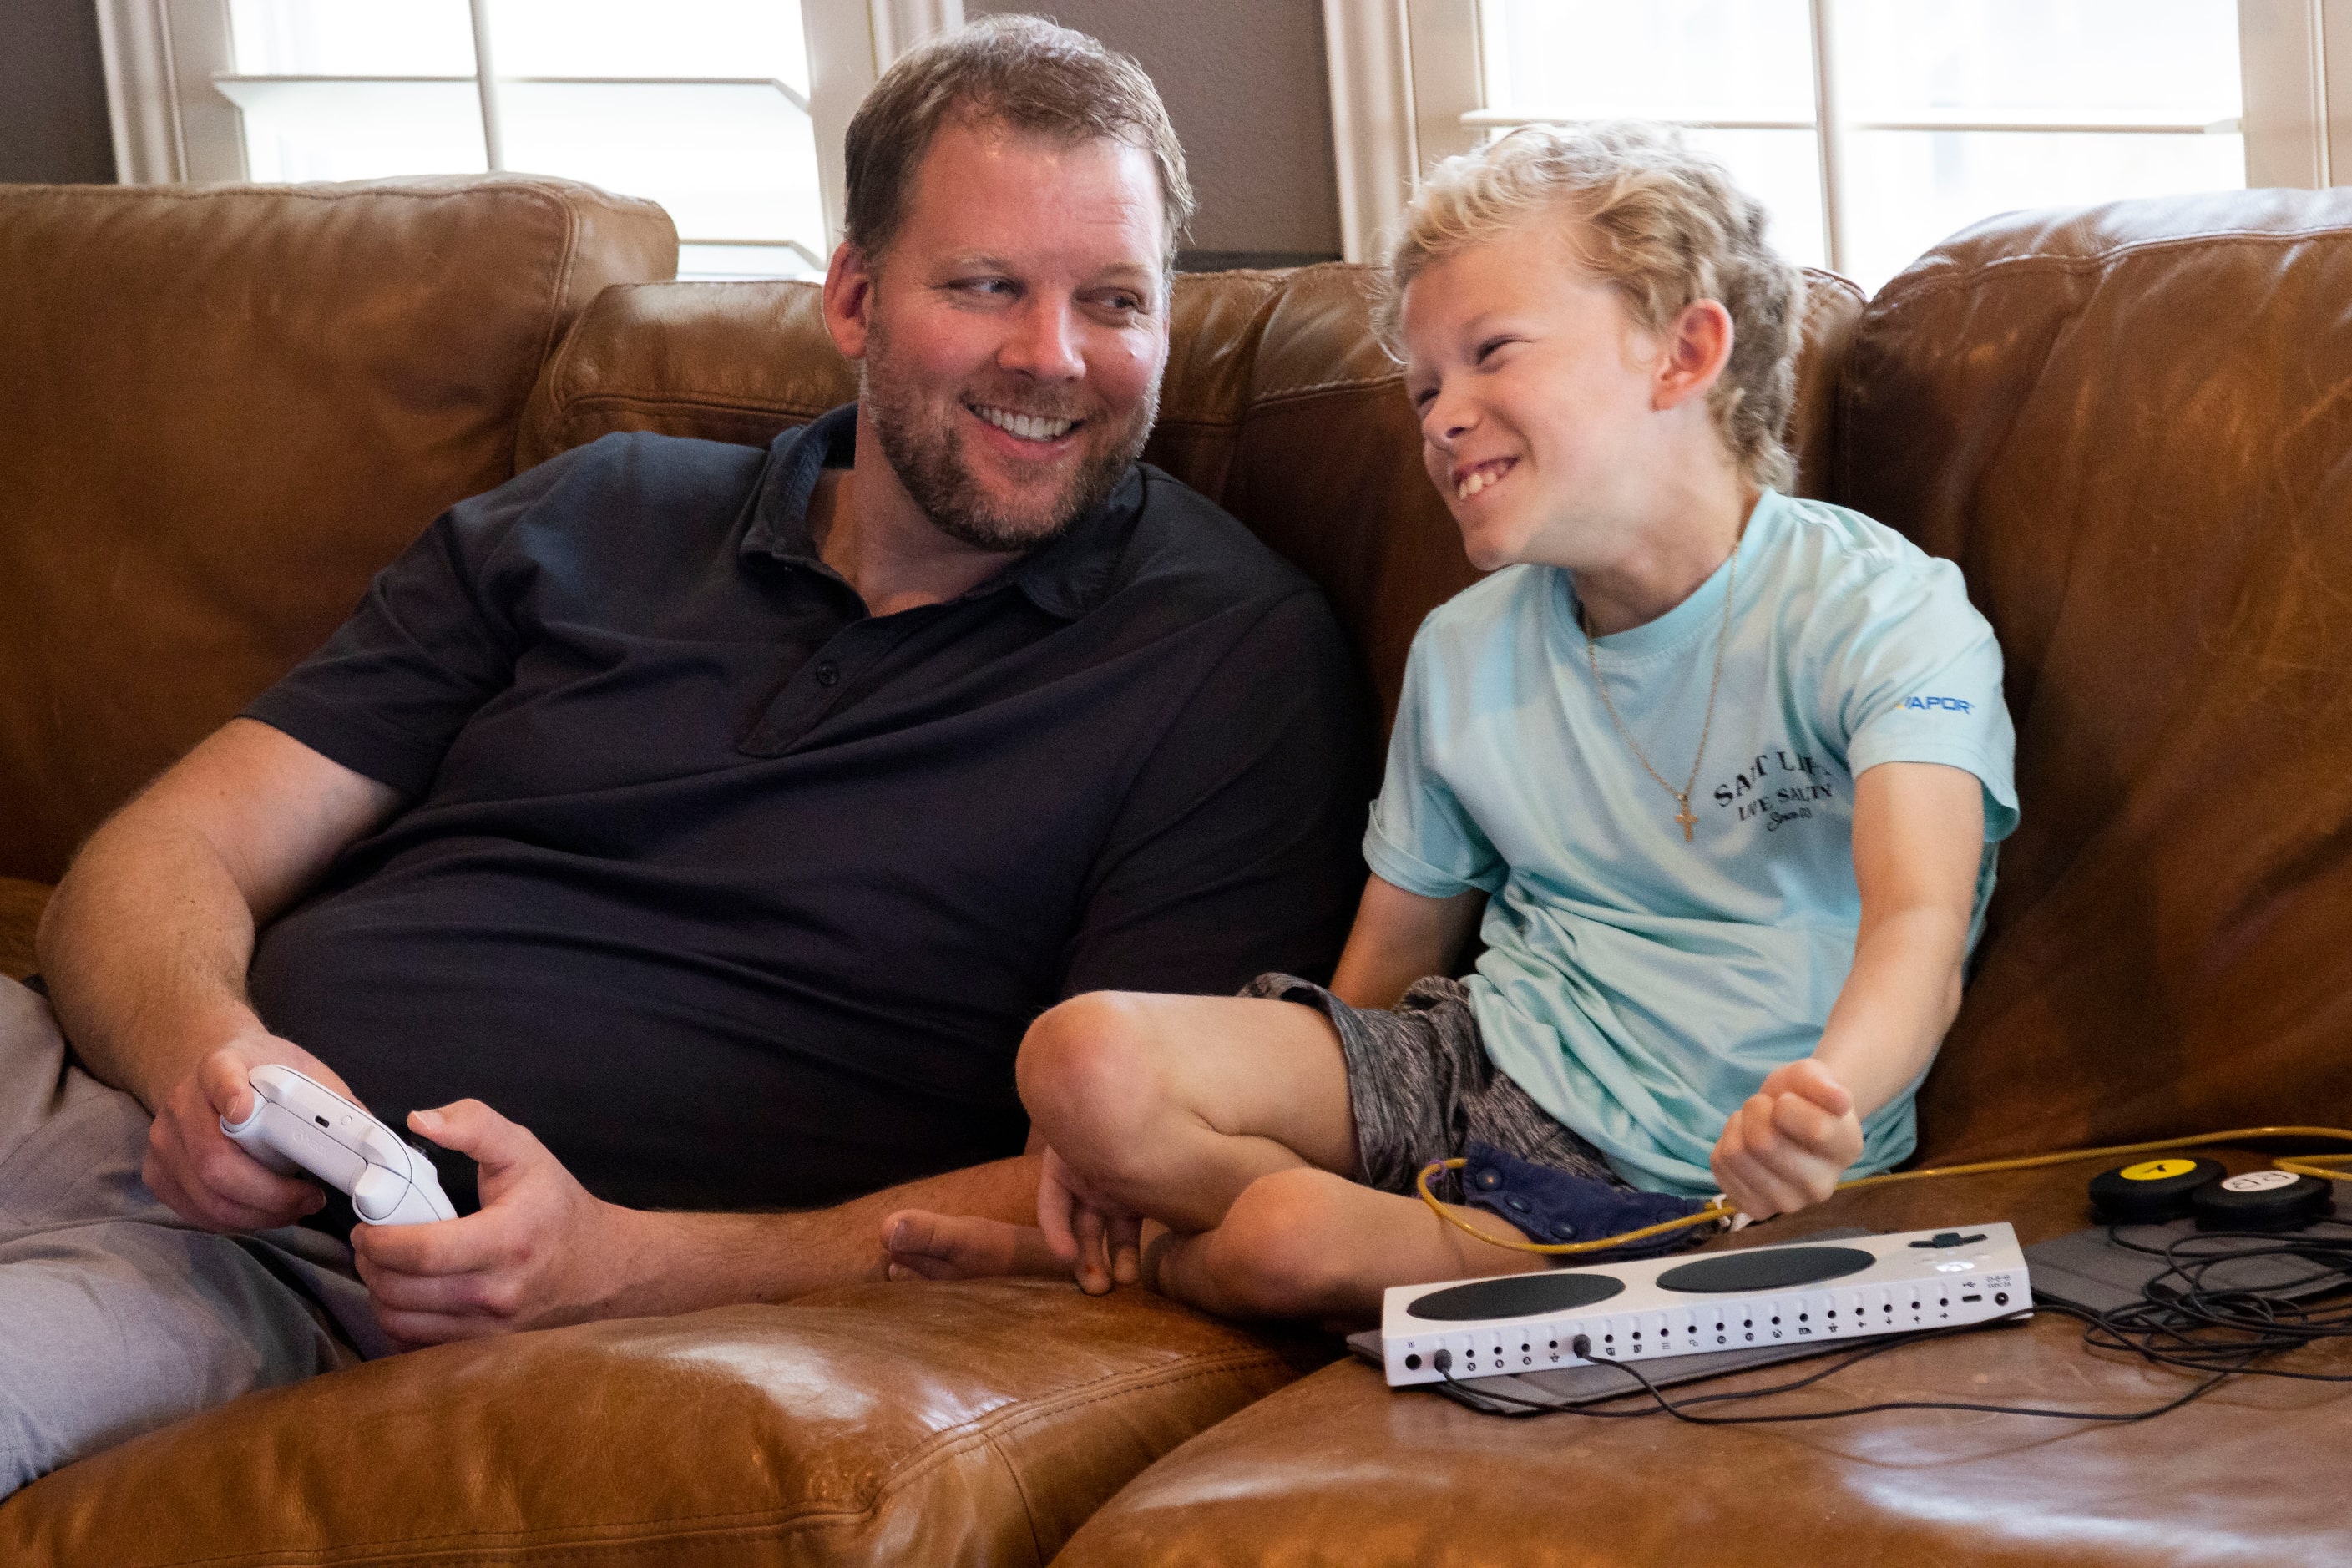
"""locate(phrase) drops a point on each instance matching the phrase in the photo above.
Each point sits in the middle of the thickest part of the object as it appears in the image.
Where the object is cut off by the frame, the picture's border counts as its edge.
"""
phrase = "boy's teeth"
(1478, 479)
(1028, 426)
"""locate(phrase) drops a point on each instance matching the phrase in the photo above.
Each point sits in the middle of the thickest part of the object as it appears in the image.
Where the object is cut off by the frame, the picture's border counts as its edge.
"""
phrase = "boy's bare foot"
(927, 1246)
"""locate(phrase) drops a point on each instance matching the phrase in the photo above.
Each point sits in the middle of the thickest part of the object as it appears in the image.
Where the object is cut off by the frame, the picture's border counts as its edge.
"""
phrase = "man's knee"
(1087, 1072)
(109, 1329)
(1282, 1251)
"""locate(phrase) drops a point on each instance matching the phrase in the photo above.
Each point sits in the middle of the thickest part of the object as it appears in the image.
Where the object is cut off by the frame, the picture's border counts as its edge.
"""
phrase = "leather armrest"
(971, 1423)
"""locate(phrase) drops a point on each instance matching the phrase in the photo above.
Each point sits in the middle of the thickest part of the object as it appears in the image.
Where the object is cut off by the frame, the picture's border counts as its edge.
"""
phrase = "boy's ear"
(1698, 345)
(849, 300)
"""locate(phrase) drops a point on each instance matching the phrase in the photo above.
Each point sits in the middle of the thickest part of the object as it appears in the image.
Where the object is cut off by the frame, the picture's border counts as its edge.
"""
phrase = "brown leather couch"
(224, 409)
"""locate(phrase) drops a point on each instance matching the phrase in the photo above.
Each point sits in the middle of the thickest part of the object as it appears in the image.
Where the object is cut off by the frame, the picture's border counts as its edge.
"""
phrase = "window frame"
(1407, 90)
(173, 126)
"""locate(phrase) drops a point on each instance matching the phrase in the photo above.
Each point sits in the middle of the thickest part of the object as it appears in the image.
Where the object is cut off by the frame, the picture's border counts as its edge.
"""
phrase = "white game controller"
(299, 1124)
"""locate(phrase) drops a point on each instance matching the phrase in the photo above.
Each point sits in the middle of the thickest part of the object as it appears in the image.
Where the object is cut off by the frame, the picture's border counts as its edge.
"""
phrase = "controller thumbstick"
(377, 1193)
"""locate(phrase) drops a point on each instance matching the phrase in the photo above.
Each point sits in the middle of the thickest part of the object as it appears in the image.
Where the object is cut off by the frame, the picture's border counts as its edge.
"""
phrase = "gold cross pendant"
(1686, 818)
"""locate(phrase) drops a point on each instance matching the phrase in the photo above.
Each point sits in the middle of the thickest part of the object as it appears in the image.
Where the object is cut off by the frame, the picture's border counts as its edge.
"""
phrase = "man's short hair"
(1019, 71)
(1663, 225)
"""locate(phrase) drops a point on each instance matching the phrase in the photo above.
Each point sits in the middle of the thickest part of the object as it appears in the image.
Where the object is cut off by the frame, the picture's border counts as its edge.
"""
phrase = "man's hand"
(542, 1251)
(1099, 1238)
(199, 1172)
(1789, 1144)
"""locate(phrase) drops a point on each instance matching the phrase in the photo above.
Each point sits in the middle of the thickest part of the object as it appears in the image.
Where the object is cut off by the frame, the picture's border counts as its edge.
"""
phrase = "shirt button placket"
(829, 674)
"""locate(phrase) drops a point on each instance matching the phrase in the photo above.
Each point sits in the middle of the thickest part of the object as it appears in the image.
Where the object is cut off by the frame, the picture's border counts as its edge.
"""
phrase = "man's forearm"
(143, 949)
(684, 1262)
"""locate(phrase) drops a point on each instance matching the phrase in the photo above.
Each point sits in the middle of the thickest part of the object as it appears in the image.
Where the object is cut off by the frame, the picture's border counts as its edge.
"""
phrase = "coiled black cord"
(2190, 1321)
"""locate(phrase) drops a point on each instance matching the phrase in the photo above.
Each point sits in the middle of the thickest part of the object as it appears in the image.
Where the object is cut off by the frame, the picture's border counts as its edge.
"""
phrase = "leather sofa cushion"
(1277, 404)
(226, 407)
(21, 903)
(1338, 1469)
(2129, 426)
(975, 1422)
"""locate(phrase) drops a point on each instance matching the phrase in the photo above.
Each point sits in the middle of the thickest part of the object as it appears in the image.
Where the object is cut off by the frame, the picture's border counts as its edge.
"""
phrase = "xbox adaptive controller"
(299, 1124)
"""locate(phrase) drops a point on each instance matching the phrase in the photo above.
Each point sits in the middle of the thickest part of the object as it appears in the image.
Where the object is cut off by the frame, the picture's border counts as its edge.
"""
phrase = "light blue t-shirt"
(1639, 988)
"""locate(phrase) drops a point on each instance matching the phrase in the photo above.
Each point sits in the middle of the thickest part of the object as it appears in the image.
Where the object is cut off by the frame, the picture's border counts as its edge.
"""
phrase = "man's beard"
(926, 451)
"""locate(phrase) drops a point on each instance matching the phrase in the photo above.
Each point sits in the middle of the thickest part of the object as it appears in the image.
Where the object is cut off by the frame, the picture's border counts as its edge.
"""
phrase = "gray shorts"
(1423, 1087)
(117, 1316)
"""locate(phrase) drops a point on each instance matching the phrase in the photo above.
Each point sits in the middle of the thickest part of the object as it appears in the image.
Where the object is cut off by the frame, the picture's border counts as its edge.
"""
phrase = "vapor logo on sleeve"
(1949, 704)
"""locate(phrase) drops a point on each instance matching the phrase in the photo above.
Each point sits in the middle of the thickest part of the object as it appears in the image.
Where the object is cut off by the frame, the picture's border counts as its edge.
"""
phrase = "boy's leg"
(115, 1316)
(1307, 1244)
(1170, 1106)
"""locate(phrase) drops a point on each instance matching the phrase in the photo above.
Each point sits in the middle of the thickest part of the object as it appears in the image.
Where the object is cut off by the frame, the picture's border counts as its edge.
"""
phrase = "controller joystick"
(299, 1125)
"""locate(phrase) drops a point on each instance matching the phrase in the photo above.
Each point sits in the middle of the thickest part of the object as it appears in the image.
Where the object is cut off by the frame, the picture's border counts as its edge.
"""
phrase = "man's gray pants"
(116, 1316)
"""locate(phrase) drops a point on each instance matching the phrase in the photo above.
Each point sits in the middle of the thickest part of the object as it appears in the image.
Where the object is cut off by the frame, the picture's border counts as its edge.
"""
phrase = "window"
(1872, 128)
(728, 112)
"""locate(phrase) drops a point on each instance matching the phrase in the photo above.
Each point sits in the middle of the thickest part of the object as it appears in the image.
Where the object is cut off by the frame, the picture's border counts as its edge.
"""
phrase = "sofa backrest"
(224, 409)
(1277, 404)
(2132, 428)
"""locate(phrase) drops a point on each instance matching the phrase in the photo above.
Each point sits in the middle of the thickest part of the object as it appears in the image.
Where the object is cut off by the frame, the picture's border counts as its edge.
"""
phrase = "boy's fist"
(1789, 1144)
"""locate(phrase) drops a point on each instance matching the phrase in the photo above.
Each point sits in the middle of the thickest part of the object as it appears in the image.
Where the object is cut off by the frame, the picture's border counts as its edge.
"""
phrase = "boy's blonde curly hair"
(1662, 224)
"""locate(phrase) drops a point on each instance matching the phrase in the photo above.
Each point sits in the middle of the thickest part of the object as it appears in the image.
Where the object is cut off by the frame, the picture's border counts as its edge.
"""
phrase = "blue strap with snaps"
(1553, 1205)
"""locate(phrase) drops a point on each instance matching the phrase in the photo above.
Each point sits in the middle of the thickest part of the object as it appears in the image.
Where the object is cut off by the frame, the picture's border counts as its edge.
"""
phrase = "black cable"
(2182, 1322)
(1880, 1347)
(1680, 1410)
(2185, 1322)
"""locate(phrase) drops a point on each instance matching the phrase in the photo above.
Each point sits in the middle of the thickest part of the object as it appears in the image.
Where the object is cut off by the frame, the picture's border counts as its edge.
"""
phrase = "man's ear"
(849, 300)
(1698, 345)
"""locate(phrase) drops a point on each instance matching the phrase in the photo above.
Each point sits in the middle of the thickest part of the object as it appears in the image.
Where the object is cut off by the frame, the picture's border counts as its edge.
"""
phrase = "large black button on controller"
(2150, 1192)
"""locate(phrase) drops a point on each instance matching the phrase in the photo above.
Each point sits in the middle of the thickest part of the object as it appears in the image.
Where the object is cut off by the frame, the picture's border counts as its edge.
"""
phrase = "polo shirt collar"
(1065, 578)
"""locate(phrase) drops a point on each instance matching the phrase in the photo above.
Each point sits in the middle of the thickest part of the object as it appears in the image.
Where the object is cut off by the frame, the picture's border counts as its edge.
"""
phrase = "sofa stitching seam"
(1344, 384)
(1977, 272)
(550, 345)
(1034, 1411)
(300, 192)
(992, 1433)
(595, 400)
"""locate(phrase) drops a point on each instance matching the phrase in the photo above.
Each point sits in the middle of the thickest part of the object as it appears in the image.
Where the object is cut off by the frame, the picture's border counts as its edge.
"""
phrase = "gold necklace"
(1722, 640)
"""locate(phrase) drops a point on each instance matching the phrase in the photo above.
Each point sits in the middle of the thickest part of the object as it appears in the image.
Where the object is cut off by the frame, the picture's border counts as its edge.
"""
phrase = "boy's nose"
(1443, 424)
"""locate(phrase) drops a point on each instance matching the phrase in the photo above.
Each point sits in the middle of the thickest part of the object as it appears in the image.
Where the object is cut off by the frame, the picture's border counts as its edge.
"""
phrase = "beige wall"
(1244, 82)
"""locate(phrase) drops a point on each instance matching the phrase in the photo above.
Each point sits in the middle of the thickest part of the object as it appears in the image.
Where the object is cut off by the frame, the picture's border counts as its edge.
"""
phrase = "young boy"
(1716, 773)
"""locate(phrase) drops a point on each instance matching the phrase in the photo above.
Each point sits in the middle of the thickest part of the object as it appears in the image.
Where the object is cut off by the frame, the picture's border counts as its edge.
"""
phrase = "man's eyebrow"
(974, 261)
(1137, 274)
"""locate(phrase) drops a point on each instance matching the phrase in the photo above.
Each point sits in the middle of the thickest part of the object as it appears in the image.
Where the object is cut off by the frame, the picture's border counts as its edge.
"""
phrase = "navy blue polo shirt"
(738, 896)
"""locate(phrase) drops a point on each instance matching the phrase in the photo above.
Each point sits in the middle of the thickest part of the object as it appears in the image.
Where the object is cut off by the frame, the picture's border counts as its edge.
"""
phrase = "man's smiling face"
(1015, 328)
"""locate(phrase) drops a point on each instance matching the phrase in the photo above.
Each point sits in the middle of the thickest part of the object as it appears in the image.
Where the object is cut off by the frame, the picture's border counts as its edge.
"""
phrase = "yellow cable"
(2326, 1166)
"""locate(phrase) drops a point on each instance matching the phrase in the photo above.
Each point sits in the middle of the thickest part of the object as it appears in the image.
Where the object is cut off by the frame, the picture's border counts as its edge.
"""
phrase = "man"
(703, 824)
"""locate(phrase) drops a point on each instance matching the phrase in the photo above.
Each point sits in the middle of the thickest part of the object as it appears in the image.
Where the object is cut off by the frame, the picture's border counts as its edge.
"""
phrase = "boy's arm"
(1918, 838)
(1399, 937)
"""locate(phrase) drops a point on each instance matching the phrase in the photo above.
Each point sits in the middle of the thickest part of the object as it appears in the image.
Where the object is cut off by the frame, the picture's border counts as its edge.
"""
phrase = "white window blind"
(1872, 128)
(729, 112)
(702, 105)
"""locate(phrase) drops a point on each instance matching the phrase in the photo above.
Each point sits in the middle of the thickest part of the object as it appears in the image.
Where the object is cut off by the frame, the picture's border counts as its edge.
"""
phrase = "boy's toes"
(936, 1246)
(927, 1246)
